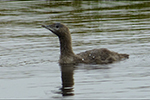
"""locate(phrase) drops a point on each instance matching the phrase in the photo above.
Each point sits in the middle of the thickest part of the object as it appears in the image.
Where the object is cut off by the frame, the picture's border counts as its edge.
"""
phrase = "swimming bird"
(67, 56)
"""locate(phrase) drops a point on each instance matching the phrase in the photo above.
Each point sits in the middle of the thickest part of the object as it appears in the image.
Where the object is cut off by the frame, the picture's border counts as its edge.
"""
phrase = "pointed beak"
(45, 26)
(49, 27)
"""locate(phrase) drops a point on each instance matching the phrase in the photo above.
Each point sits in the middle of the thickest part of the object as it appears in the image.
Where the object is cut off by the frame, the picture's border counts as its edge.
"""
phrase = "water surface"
(29, 53)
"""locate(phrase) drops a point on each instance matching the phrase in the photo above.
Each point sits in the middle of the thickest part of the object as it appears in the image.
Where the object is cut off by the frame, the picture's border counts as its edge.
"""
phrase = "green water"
(29, 53)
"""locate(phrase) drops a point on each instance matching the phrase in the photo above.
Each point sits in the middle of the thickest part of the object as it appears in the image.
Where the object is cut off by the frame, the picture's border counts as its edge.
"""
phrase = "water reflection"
(67, 72)
(121, 26)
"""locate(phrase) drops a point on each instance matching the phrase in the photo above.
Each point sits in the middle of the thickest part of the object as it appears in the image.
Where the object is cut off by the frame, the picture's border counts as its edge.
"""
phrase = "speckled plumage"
(67, 56)
(101, 56)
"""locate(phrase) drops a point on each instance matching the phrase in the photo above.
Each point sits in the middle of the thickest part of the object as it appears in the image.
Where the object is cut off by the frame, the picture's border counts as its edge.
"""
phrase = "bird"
(94, 56)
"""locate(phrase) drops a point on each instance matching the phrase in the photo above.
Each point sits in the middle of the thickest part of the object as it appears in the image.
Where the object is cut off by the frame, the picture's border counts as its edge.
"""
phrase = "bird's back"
(101, 56)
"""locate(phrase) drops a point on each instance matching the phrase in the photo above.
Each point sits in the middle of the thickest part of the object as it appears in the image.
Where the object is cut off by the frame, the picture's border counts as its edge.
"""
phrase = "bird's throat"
(66, 46)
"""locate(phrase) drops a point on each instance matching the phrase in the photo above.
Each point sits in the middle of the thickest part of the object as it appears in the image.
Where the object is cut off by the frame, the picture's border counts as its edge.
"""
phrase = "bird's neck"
(66, 46)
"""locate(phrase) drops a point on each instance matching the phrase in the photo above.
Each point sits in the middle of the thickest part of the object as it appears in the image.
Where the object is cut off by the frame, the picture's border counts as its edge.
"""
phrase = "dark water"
(29, 53)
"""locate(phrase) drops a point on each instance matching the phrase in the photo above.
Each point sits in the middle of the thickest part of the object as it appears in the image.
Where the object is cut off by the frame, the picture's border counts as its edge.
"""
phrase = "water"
(29, 53)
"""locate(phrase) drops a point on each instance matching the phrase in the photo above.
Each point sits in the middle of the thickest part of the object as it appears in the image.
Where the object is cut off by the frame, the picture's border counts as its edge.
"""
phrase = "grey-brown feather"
(67, 56)
(101, 56)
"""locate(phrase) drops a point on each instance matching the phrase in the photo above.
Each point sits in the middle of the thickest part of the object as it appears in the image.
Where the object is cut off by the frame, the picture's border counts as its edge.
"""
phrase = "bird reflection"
(67, 72)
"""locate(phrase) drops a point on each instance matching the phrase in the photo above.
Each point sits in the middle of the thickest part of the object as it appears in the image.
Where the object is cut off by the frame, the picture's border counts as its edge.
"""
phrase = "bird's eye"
(57, 26)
